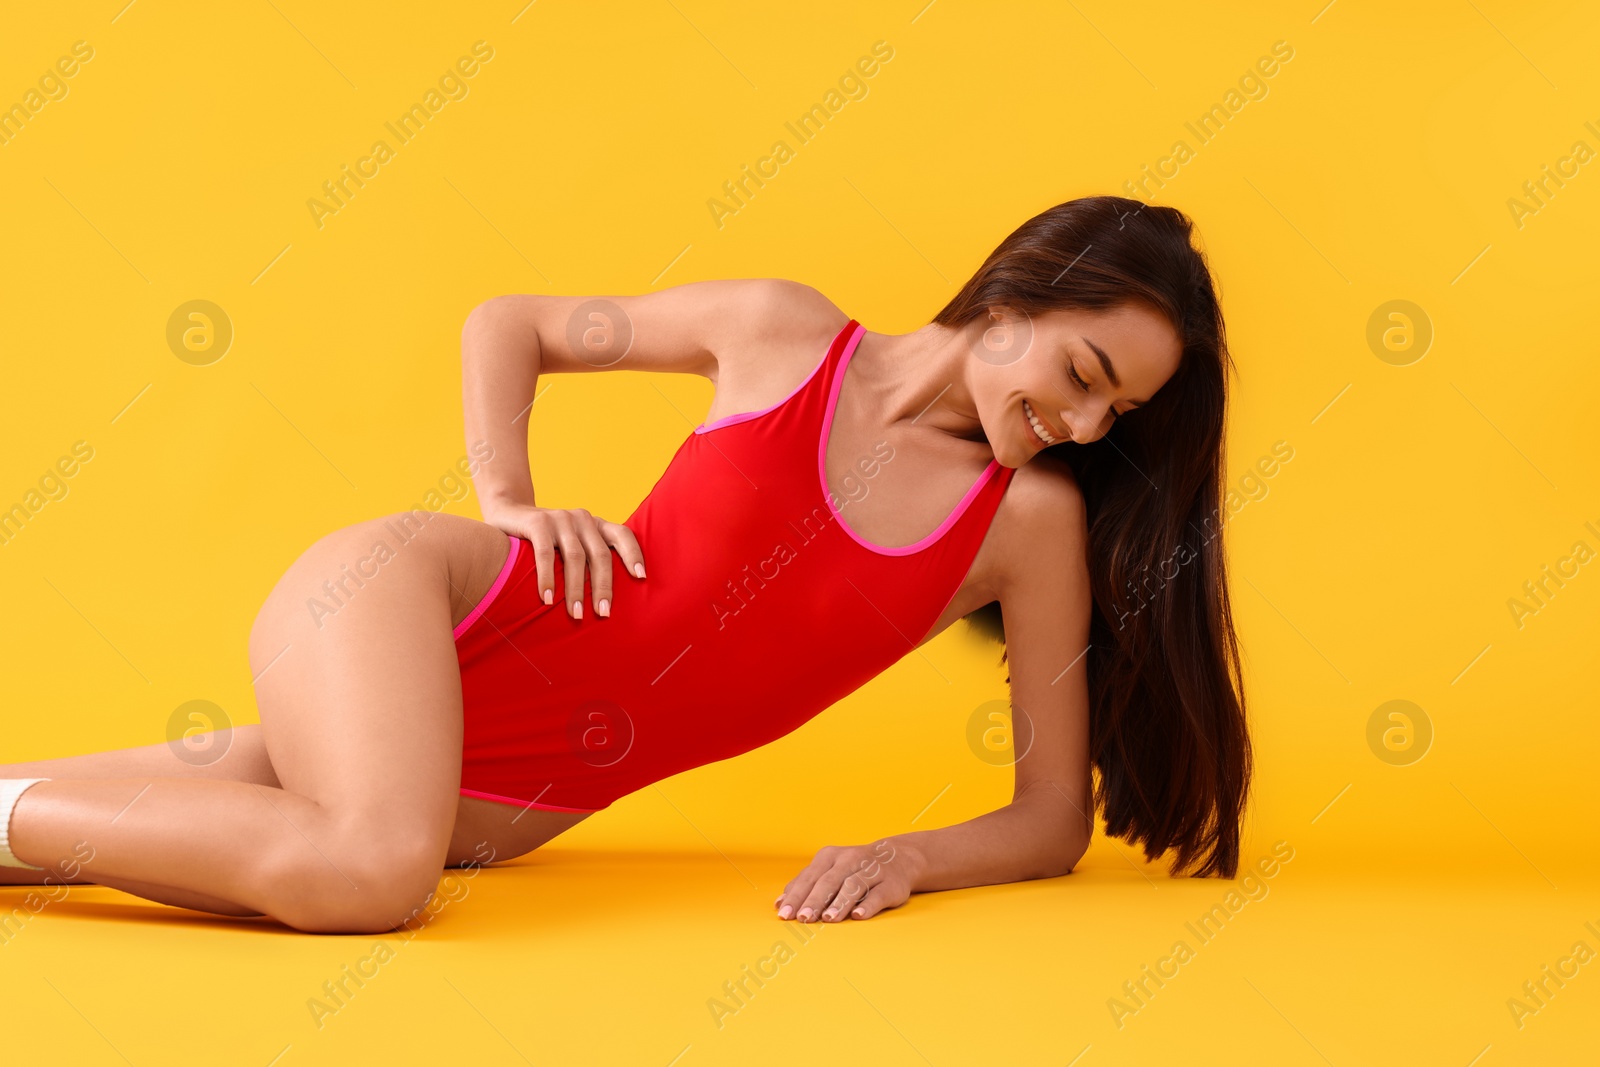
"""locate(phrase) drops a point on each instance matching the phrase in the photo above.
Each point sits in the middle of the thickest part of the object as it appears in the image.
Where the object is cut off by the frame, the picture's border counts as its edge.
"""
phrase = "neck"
(919, 378)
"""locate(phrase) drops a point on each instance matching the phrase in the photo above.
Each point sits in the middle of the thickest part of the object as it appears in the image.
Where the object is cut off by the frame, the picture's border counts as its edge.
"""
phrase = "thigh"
(487, 831)
(357, 682)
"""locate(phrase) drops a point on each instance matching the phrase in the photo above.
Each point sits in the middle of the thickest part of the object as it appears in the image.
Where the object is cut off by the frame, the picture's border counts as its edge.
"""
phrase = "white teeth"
(1038, 427)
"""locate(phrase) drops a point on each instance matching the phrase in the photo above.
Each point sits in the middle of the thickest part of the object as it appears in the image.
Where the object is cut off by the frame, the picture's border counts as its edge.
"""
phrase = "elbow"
(1060, 833)
(1077, 852)
(480, 321)
(508, 313)
(1067, 852)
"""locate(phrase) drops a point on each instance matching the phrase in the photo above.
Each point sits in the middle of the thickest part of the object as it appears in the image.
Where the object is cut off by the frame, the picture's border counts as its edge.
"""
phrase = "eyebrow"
(1105, 365)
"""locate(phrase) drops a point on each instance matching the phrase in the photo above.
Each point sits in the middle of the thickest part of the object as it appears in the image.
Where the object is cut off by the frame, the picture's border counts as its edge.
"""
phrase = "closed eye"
(1072, 371)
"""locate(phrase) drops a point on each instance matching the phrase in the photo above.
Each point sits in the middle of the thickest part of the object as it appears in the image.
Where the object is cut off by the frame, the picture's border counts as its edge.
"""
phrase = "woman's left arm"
(1045, 598)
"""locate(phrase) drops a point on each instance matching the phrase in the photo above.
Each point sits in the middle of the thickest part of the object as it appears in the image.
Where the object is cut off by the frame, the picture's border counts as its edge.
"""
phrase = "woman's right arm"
(508, 341)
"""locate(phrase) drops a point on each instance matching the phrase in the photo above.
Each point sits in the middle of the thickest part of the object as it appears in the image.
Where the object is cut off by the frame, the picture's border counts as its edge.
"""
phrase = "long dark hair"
(1167, 729)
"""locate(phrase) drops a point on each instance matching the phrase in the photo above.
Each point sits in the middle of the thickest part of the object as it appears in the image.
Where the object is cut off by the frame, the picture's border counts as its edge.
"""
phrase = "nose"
(1087, 423)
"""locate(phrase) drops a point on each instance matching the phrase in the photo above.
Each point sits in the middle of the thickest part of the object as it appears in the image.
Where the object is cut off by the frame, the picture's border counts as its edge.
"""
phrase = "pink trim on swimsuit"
(494, 590)
(748, 415)
(497, 798)
(822, 469)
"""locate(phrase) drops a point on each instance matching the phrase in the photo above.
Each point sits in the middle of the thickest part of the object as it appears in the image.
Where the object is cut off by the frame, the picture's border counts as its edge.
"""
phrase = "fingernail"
(638, 568)
(859, 912)
(785, 911)
(805, 915)
(829, 914)
(577, 610)
(603, 608)
(547, 596)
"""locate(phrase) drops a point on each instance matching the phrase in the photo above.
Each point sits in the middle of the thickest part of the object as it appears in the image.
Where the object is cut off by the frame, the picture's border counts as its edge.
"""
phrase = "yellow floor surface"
(582, 955)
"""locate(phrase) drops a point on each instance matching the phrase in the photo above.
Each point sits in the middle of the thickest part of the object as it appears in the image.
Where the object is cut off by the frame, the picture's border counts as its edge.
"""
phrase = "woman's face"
(1074, 371)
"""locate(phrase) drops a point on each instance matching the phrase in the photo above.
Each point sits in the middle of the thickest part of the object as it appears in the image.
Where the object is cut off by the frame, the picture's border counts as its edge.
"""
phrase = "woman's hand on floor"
(854, 882)
(585, 542)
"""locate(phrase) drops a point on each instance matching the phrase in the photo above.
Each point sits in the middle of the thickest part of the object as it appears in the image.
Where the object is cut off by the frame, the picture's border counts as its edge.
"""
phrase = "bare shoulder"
(1040, 530)
(781, 321)
(779, 335)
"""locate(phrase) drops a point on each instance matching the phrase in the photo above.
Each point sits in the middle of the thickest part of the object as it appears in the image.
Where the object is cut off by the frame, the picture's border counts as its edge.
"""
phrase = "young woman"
(1047, 450)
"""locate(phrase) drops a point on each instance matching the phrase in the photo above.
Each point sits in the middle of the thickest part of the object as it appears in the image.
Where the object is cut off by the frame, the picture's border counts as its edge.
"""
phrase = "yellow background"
(1377, 566)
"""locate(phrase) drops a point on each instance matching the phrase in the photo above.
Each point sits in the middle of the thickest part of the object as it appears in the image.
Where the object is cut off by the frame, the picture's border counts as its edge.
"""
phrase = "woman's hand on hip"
(585, 542)
(854, 882)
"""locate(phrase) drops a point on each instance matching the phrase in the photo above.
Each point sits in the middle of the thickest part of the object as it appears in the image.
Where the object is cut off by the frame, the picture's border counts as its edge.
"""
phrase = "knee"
(371, 889)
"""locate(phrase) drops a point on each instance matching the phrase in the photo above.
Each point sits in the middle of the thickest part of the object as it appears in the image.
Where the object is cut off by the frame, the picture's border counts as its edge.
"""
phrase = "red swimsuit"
(761, 608)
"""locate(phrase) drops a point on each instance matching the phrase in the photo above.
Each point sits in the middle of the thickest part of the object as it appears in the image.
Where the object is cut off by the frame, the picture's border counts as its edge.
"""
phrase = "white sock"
(11, 789)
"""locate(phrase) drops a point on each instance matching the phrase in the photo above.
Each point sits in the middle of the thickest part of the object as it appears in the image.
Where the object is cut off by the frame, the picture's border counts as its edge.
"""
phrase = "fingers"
(585, 543)
(627, 547)
(841, 883)
(598, 553)
(850, 893)
(788, 899)
(825, 887)
(574, 561)
(542, 537)
(877, 899)
(800, 886)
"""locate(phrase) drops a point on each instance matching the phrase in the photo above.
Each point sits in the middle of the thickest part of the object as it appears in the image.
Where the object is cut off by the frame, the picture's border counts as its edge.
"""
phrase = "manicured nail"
(603, 608)
(577, 610)
(859, 912)
(805, 915)
(785, 911)
(829, 914)
(638, 568)
(547, 596)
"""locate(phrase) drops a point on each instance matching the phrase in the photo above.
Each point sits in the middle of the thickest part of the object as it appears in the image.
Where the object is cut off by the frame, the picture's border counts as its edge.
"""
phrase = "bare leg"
(361, 718)
(243, 758)
(485, 831)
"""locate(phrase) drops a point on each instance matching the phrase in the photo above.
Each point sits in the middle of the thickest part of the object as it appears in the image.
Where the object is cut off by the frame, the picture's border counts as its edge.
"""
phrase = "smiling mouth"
(1040, 433)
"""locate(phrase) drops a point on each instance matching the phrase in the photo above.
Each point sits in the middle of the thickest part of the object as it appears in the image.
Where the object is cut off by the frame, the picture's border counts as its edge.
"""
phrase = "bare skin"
(338, 812)
(348, 783)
